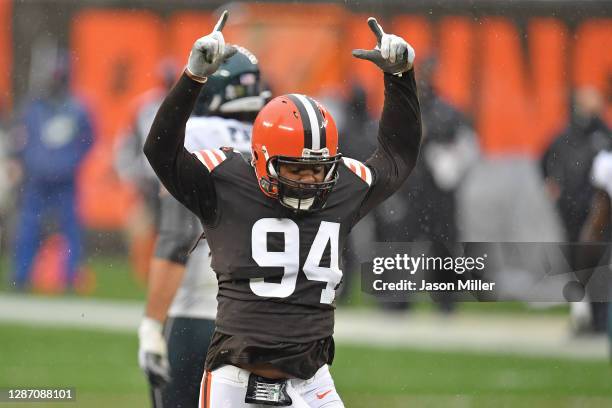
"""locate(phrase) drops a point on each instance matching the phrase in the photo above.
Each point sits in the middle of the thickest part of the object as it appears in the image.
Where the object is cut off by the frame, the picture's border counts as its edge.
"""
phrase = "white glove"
(209, 52)
(392, 54)
(153, 352)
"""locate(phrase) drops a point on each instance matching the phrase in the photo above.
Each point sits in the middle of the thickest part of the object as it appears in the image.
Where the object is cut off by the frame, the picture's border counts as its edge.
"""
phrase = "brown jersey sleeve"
(399, 138)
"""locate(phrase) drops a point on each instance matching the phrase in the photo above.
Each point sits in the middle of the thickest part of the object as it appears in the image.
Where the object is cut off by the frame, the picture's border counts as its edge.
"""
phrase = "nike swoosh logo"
(322, 395)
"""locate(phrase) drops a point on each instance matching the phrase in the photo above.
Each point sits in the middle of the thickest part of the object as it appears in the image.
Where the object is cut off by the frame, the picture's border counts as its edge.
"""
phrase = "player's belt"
(267, 391)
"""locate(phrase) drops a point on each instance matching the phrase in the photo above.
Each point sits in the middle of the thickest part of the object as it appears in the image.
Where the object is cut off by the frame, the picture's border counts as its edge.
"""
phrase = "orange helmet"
(295, 129)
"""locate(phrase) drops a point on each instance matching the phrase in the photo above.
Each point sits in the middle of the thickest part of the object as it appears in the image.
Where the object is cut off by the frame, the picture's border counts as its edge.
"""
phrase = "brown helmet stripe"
(305, 120)
(320, 122)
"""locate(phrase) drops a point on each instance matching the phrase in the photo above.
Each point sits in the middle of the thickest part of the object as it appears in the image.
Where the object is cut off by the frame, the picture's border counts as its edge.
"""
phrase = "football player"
(174, 363)
(275, 225)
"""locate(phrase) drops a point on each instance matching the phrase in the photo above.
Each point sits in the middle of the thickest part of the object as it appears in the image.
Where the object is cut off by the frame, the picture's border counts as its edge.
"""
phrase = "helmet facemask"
(300, 196)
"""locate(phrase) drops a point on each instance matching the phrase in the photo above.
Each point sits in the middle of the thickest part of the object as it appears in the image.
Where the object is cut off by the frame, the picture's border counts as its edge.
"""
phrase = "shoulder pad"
(360, 169)
(211, 158)
(227, 149)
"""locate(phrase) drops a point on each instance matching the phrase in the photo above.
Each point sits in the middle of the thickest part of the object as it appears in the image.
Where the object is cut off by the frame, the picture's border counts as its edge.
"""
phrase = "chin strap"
(298, 204)
(329, 174)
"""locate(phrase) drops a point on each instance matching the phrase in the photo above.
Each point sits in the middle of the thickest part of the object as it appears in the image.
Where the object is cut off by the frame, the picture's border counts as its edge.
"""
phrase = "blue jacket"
(59, 134)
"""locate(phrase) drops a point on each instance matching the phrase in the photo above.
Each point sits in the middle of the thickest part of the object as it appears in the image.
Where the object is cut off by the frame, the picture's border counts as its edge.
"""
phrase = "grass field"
(102, 367)
(114, 279)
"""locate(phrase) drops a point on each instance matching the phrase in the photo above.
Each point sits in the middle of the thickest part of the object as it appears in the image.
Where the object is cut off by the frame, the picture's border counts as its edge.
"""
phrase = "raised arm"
(181, 173)
(399, 135)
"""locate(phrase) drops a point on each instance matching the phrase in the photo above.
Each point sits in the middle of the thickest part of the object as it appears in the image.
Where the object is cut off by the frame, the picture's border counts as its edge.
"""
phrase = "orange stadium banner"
(593, 57)
(117, 52)
(513, 79)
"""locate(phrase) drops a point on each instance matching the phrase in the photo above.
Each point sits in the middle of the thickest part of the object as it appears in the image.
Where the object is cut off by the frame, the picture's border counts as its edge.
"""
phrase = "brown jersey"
(278, 269)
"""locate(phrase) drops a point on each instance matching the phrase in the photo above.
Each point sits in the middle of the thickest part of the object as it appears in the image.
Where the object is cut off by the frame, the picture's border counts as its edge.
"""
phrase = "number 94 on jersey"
(289, 257)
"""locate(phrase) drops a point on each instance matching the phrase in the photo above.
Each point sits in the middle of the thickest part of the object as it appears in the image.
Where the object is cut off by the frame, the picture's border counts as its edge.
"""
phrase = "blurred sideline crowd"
(454, 194)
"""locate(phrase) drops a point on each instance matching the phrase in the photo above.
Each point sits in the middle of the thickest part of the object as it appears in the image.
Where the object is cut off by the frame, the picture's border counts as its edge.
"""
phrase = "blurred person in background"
(52, 140)
(9, 177)
(8, 173)
(566, 166)
(355, 121)
(132, 168)
(182, 287)
(357, 131)
(424, 209)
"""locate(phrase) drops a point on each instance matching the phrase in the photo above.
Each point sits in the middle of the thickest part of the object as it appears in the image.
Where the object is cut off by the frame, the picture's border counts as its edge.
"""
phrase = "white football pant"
(226, 387)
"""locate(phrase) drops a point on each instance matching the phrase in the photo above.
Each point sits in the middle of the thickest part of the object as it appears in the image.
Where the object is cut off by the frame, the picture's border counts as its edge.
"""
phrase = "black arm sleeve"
(399, 138)
(183, 175)
(178, 231)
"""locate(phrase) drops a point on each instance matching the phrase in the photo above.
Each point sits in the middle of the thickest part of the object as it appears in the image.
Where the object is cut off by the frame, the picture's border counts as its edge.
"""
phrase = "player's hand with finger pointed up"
(209, 52)
(392, 54)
